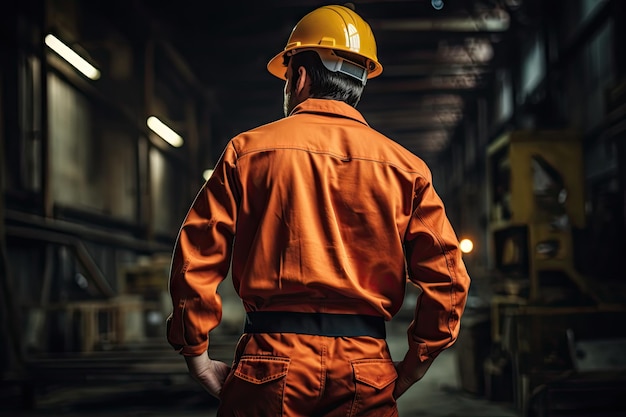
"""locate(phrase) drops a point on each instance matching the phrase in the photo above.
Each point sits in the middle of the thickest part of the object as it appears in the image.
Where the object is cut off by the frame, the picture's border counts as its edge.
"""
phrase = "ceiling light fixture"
(72, 57)
(165, 132)
(437, 4)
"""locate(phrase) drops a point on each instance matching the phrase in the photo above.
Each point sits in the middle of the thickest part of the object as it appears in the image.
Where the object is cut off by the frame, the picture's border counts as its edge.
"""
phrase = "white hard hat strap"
(336, 63)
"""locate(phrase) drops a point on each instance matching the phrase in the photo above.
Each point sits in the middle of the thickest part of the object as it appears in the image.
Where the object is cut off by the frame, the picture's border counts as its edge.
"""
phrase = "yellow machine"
(535, 181)
(536, 204)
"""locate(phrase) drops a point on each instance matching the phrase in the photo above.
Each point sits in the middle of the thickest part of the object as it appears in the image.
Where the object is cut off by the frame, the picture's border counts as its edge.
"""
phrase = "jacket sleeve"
(201, 259)
(435, 265)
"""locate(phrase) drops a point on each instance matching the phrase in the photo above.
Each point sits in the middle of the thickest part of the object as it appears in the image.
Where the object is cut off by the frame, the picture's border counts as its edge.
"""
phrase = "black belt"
(321, 324)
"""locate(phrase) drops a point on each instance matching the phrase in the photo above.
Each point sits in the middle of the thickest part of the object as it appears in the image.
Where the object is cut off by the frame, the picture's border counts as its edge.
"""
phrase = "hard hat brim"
(275, 66)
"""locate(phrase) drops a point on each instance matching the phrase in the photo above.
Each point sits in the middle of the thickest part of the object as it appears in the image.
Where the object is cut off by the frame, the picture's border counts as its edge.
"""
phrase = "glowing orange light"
(466, 245)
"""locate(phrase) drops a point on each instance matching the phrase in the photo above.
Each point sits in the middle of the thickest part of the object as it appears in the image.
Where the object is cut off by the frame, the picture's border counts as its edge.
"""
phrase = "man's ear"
(302, 85)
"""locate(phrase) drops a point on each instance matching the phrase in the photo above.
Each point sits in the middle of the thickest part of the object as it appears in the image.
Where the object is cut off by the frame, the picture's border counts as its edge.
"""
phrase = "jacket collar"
(330, 108)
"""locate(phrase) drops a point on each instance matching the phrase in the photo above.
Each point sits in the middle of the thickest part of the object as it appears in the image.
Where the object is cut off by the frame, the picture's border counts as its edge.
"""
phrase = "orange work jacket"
(318, 212)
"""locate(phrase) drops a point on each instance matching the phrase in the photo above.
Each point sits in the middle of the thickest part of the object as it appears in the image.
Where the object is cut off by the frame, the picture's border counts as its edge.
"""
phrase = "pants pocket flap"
(261, 369)
(377, 373)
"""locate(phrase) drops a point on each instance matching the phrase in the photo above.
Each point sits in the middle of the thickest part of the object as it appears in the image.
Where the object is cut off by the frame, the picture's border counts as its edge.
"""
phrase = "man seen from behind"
(324, 220)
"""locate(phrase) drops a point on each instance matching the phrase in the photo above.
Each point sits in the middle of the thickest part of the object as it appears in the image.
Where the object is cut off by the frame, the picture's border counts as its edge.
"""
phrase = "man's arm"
(201, 260)
(435, 265)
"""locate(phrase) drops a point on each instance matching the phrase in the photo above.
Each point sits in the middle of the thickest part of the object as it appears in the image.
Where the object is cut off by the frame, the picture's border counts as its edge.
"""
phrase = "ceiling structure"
(436, 63)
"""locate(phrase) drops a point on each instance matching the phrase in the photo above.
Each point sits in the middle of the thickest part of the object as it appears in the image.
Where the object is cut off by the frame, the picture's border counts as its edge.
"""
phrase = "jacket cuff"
(194, 350)
(422, 351)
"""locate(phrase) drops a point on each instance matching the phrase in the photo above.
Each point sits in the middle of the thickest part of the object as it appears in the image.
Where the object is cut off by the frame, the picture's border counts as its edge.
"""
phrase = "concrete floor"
(439, 394)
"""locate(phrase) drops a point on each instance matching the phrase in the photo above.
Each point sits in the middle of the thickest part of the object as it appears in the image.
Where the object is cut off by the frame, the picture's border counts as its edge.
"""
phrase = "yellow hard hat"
(343, 40)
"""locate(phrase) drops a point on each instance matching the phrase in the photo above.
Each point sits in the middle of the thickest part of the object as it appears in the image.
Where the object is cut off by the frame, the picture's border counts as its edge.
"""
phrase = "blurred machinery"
(546, 317)
(97, 338)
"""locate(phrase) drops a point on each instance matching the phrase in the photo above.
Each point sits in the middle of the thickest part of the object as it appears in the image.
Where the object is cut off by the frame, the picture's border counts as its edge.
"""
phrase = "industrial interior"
(113, 113)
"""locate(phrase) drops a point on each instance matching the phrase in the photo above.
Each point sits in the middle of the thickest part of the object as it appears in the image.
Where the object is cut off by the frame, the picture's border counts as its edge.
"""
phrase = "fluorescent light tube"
(165, 132)
(207, 174)
(72, 57)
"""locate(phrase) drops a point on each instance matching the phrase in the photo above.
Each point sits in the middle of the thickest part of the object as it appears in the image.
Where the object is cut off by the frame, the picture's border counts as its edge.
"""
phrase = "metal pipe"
(85, 233)
(82, 254)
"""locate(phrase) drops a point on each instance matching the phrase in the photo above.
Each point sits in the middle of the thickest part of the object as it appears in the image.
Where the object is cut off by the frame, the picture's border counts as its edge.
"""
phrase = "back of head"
(327, 84)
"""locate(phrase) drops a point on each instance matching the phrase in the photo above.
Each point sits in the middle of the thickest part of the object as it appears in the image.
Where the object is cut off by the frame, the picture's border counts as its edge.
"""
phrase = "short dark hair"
(325, 83)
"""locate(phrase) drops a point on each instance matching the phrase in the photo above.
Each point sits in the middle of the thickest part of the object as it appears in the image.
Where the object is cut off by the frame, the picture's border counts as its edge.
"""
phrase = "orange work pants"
(299, 375)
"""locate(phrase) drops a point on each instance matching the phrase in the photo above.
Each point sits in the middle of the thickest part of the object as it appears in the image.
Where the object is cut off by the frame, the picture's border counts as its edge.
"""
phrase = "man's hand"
(209, 373)
(410, 370)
